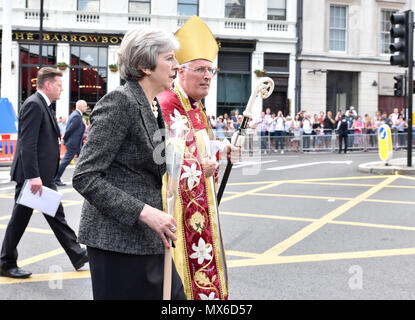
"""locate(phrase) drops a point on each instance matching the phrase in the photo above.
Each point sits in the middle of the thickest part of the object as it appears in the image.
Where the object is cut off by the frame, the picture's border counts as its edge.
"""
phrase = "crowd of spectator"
(312, 130)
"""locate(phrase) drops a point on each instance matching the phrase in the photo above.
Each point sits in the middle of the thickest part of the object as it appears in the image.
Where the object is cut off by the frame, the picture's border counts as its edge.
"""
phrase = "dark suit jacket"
(74, 132)
(37, 151)
(117, 175)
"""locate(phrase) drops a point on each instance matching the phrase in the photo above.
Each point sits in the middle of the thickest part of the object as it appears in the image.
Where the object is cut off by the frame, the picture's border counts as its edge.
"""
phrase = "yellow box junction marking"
(272, 255)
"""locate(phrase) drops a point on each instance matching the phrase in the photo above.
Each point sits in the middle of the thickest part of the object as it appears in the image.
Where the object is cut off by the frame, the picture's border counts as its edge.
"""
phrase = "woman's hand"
(160, 222)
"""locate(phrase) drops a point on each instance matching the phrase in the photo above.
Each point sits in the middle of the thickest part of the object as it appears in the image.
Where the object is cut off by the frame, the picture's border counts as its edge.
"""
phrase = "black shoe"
(16, 272)
(60, 183)
(81, 262)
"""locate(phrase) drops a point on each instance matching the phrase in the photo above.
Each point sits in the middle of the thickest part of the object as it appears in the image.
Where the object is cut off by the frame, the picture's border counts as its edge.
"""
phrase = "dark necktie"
(51, 110)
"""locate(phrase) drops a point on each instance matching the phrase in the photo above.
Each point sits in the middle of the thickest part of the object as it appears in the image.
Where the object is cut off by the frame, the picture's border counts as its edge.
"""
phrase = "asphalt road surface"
(295, 226)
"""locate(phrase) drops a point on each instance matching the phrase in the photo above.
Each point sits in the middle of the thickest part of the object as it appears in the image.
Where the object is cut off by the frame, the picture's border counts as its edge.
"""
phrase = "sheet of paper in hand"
(48, 203)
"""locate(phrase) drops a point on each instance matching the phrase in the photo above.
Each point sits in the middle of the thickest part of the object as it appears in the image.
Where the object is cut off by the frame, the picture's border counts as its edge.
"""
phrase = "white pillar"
(14, 80)
(113, 79)
(6, 71)
(63, 54)
(257, 63)
(291, 84)
(212, 97)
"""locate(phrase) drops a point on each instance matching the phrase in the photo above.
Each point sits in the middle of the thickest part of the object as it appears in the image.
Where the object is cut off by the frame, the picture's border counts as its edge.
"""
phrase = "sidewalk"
(394, 166)
(5, 164)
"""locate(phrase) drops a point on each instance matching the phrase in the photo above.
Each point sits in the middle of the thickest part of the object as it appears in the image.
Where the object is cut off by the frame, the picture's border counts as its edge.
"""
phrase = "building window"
(338, 28)
(277, 9)
(385, 26)
(235, 9)
(277, 62)
(35, 4)
(88, 74)
(342, 91)
(139, 6)
(29, 66)
(88, 5)
(188, 7)
(234, 81)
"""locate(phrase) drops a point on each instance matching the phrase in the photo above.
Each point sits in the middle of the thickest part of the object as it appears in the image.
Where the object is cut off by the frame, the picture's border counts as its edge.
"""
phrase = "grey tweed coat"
(117, 175)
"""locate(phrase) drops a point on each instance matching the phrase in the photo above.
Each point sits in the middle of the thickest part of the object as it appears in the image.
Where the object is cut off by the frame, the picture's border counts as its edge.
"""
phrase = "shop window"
(29, 66)
(235, 9)
(188, 7)
(88, 74)
(139, 6)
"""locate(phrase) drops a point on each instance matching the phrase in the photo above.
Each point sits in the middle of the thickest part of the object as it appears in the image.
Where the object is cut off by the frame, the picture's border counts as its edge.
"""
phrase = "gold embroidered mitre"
(196, 41)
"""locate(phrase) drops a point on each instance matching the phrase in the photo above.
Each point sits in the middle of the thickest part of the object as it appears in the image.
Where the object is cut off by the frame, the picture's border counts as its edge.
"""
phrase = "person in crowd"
(394, 116)
(288, 132)
(296, 125)
(279, 131)
(119, 173)
(351, 119)
(220, 128)
(378, 121)
(386, 119)
(339, 116)
(199, 246)
(316, 130)
(250, 133)
(369, 130)
(36, 161)
(343, 132)
(229, 128)
(62, 125)
(351, 112)
(329, 126)
(261, 125)
(272, 133)
(401, 127)
(358, 130)
(239, 122)
(235, 117)
(236, 120)
(213, 121)
(307, 131)
(73, 138)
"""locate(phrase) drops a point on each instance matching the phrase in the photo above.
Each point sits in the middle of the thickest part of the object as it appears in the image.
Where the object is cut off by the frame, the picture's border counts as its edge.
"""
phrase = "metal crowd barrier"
(8, 144)
(329, 142)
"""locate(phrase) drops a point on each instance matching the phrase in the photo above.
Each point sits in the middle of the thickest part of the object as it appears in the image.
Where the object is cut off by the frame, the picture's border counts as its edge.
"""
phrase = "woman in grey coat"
(120, 176)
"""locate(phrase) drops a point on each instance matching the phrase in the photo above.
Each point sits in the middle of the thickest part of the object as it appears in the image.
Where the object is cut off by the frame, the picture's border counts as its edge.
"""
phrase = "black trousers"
(17, 225)
(343, 136)
(120, 276)
(67, 158)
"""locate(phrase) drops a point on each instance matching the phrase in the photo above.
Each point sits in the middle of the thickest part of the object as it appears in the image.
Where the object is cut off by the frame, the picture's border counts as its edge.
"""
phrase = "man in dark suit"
(72, 139)
(36, 160)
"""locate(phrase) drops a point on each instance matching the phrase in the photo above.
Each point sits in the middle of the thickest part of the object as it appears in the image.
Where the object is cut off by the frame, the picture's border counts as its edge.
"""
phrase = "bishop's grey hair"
(140, 48)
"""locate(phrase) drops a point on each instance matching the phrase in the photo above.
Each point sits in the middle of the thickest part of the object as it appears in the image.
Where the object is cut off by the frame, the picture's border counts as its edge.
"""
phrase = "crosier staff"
(264, 87)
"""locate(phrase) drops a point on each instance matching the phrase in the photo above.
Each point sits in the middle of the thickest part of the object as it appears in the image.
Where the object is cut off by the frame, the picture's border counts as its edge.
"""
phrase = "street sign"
(385, 143)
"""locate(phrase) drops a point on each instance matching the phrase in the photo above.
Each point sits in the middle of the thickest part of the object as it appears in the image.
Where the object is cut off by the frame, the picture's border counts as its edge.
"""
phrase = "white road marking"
(4, 176)
(309, 164)
(250, 163)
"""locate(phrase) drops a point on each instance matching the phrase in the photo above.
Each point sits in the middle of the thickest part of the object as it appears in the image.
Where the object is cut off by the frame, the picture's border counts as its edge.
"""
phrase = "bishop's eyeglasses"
(203, 70)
